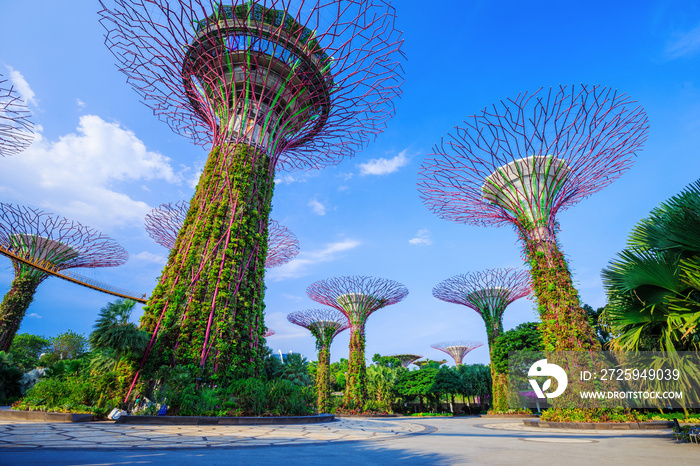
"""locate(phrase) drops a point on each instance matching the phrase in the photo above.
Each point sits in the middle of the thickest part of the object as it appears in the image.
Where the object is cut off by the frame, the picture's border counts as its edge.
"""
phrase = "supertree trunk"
(323, 380)
(489, 293)
(564, 324)
(46, 240)
(356, 381)
(208, 306)
(522, 161)
(499, 380)
(14, 306)
(324, 325)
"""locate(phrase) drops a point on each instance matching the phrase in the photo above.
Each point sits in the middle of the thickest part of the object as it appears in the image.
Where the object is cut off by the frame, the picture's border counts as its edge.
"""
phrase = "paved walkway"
(21, 434)
(381, 442)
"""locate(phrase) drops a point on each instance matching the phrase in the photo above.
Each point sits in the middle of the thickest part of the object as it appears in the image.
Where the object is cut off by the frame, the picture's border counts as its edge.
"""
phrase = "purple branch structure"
(357, 297)
(324, 325)
(51, 240)
(488, 292)
(457, 349)
(268, 333)
(165, 221)
(269, 85)
(522, 161)
(406, 359)
(15, 126)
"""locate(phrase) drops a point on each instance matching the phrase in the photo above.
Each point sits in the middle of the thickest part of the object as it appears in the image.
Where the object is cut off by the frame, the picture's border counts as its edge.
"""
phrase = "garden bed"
(600, 425)
(223, 421)
(44, 416)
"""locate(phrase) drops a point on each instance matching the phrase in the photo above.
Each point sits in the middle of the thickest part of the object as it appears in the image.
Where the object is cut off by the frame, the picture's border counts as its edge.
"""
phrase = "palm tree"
(654, 285)
(114, 333)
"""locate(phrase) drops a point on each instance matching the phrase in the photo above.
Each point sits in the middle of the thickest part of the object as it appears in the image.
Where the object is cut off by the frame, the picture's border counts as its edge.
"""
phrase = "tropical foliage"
(653, 285)
(26, 350)
(114, 335)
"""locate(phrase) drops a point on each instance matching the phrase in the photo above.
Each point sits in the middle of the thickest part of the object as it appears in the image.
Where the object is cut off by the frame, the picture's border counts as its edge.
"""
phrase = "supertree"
(324, 325)
(51, 240)
(489, 293)
(165, 221)
(269, 87)
(268, 333)
(406, 359)
(457, 349)
(521, 162)
(15, 125)
(357, 297)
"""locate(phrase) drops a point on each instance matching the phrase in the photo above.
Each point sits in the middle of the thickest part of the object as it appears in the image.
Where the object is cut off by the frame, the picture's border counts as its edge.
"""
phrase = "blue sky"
(101, 158)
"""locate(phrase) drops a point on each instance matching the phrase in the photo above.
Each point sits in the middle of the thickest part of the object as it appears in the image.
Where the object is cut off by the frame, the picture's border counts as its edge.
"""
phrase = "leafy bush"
(10, 377)
(245, 397)
(617, 414)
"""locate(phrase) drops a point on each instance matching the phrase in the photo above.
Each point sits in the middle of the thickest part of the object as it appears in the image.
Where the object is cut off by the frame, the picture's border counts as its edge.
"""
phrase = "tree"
(10, 376)
(115, 334)
(391, 362)
(412, 384)
(524, 337)
(296, 369)
(339, 372)
(598, 327)
(476, 382)
(447, 381)
(68, 345)
(26, 350)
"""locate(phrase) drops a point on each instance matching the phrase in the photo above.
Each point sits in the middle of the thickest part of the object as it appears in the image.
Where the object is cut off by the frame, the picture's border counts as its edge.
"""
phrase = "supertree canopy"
(406, 359)
(15, 126)
(268, 333)
(324, 325)
(165, 221)
(457, 349)
(50, 240)
(270, 85)
(489, 293)
(357, 297)
(521, 162)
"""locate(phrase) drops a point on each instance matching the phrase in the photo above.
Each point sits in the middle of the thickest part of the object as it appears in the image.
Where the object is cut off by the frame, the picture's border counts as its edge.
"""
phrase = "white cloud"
(73, 175)
(345, 176)
(685, 44)
(317, 207)
(34, 315)
(22, 86)
(293, 298)
(80, 103)
(422, 237)
(384, 166)
(150, 257)
(299, 266)
(289, 179)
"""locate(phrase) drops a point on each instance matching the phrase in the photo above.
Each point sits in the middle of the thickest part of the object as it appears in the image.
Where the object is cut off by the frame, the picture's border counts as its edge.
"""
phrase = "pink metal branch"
(406, 359)
(357, 296)
(485, 290)
(324, 324)
(346, 58)
(585, 135)
(62, 242)
(165, 221)
(268, 333)
(15, 126)
(457, 349)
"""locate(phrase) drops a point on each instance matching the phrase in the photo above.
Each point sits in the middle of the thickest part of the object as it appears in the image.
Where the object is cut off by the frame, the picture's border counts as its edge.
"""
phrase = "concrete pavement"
(444, 441)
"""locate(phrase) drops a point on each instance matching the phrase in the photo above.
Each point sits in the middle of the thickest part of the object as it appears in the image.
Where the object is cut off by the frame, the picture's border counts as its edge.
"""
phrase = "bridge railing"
(52, 269)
